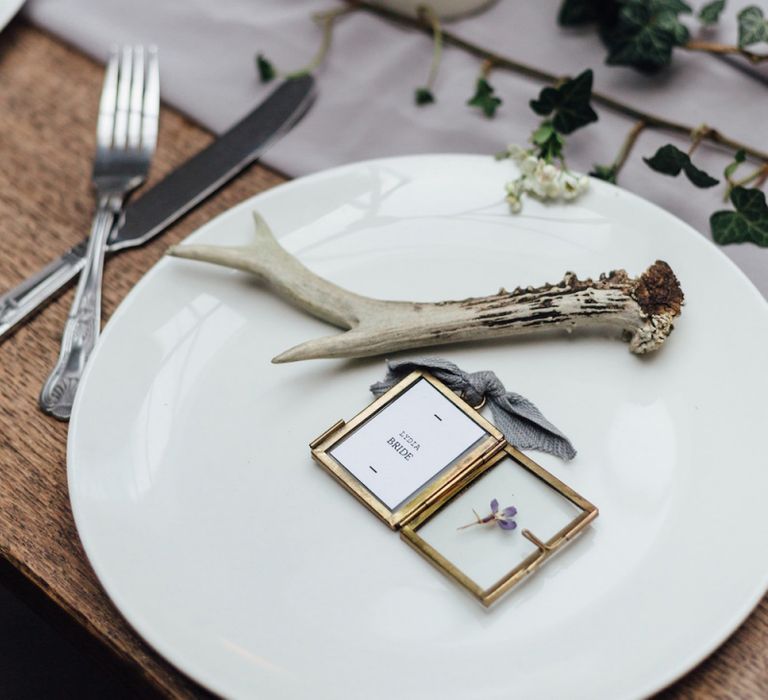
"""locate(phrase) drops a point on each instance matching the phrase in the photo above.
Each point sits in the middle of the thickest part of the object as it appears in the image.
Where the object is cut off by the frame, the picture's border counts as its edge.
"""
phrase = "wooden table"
(48, 99)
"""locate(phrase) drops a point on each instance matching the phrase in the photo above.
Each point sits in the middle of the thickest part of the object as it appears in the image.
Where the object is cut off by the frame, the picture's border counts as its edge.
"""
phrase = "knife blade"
(172, 197)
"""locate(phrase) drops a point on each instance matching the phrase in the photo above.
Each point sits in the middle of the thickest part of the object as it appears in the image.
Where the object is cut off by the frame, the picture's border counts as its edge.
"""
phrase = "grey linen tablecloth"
(366, 110)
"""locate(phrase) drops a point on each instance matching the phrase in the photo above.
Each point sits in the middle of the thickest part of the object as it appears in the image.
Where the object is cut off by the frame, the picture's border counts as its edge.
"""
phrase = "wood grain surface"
(48, 101)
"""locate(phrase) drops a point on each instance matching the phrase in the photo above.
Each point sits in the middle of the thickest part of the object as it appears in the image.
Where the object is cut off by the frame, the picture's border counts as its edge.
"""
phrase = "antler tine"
(643, 309)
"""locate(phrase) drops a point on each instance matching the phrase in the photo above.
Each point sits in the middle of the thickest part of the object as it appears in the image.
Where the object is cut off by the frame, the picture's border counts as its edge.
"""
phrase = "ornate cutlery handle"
(21, 301)
(84, 322)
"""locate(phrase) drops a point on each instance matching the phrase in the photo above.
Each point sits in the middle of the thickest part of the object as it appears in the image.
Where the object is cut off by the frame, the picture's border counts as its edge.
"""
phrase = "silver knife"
(172, 197)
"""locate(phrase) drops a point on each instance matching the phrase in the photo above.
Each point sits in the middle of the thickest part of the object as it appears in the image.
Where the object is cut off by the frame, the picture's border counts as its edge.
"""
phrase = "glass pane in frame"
(489, 559)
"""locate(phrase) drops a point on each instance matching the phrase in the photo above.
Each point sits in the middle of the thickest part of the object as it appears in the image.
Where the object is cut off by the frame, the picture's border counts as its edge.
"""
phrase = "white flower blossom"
(514, 191)
(570, 191)
(546, 172)
(528, 165)
(543, 180)
(516, 152)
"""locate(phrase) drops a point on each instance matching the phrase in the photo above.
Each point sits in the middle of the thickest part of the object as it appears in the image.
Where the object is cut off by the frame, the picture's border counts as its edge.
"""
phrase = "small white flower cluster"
(541, 179)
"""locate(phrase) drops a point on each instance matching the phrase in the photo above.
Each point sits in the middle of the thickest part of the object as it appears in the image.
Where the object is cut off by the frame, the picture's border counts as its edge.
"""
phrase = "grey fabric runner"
(521, 422)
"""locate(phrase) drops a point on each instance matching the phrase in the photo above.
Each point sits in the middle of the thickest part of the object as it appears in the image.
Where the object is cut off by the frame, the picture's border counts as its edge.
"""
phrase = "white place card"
(407, 443)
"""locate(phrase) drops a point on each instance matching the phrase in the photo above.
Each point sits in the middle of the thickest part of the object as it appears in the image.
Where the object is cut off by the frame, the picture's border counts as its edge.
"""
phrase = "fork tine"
(123, 97)
(136, 99)
(151, 110)
(108, 103)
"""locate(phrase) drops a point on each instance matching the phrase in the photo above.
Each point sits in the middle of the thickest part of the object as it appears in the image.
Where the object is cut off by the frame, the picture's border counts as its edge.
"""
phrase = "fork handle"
(84, 321)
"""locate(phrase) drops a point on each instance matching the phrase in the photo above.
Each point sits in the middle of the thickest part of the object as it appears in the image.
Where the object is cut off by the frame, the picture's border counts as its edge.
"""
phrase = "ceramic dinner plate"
(252, 571)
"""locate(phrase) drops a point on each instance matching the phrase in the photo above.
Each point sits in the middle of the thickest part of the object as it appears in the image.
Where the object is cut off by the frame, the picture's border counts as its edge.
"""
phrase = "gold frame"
(427, 501)
(430, 493)
(488, 596)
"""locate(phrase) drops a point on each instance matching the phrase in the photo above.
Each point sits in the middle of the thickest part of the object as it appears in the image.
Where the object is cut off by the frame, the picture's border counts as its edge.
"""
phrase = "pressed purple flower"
(503, 518)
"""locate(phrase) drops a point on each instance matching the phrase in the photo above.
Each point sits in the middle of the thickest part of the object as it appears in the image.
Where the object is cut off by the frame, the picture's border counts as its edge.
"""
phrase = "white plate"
(251, 570)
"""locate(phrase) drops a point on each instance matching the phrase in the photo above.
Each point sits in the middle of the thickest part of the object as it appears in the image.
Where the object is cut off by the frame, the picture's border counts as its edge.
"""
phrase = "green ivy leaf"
(575, 12)
(266, 70)
(605, 172)
(710, 13)
(570, 103)
(739, 157)
(645, 33)
(484, 98)
(670, 160)
(543, 133)
(748, 223)
(549, 141)
(752, 26)
(423, 96)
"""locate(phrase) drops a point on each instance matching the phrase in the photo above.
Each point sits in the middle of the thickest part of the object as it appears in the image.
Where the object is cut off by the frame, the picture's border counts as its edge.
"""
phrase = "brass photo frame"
(448, 482)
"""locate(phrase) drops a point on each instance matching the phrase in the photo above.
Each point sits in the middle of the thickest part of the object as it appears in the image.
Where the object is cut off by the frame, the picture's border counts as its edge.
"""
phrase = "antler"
(643, 308)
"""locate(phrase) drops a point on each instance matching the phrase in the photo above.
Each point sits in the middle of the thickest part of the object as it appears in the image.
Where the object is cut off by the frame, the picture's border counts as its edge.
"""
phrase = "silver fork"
(126, 134)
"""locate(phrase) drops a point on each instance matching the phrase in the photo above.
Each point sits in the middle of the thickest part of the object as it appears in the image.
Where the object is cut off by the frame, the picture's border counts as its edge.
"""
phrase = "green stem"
(759, 177)
(429, 16)
(725, 49)
(697, 135)
(326, 20)
(626, 147)
(652, 121)
(760, 174)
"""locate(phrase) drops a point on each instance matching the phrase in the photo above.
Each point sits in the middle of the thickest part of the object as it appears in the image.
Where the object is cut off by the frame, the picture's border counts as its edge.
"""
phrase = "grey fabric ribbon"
(518, 419)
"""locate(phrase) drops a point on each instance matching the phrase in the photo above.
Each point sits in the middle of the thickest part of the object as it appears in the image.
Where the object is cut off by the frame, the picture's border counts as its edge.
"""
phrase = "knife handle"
(34, 292)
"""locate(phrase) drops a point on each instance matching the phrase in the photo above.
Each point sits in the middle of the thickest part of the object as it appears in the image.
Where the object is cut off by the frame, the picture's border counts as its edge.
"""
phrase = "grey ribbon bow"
(520, 421)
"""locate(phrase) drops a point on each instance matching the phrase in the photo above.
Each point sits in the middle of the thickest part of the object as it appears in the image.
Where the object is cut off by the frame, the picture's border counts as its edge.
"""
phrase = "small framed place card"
(429, 465)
